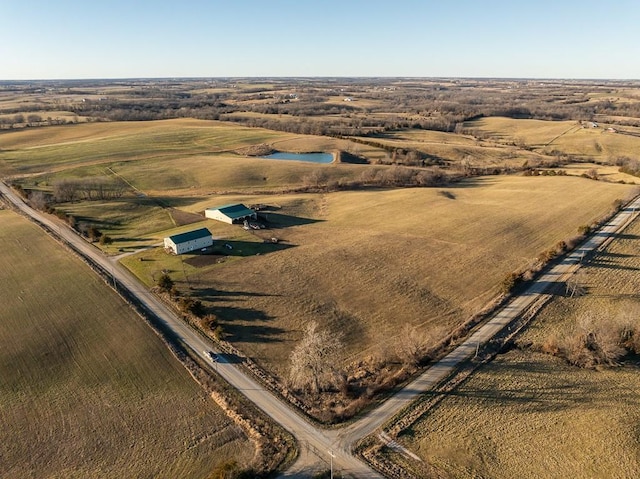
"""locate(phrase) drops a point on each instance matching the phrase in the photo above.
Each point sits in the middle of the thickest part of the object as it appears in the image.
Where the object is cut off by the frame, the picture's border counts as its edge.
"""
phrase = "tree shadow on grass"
(471, 182)
(542, 392)
(278, 220)
(246, 325)
(212, 294)
(172, 201)
(612, 265)
(610, 260)
(253, 333)
(97, 222)
(619, 236)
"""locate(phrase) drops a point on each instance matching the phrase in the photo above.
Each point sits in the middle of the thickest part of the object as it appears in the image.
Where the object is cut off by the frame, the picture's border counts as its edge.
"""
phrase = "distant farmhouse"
(235, 213)
(189, 241)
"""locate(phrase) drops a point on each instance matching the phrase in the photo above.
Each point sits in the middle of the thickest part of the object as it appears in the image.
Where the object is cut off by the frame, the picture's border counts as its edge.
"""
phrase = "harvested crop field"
(528, 414)
(87, 389)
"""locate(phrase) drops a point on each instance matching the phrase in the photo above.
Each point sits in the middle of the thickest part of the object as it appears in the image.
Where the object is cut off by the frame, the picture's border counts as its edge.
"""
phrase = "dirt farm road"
(336, 442)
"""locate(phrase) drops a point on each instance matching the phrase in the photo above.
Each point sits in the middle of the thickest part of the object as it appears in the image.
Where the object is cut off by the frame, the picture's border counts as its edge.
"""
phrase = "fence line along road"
(336, 443)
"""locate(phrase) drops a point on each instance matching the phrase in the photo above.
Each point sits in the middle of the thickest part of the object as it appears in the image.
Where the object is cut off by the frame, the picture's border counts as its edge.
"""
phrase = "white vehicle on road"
(211, 356)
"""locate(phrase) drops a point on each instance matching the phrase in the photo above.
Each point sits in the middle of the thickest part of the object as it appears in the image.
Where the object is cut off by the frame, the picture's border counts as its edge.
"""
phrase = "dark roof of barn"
(235, 211)
(190, 235)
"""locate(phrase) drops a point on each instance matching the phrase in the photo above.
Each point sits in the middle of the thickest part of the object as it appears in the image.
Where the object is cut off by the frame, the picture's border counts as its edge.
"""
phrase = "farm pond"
(310, 157)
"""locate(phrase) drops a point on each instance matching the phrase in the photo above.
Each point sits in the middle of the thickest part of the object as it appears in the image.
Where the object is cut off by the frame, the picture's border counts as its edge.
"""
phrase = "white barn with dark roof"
(234, 213)
(189, 241)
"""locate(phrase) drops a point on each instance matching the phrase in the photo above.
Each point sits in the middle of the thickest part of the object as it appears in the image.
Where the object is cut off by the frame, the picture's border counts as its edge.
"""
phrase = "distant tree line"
(379, 105)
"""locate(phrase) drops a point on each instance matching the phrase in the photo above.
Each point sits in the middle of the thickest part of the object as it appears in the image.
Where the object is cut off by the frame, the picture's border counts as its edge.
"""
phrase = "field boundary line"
(562, 134)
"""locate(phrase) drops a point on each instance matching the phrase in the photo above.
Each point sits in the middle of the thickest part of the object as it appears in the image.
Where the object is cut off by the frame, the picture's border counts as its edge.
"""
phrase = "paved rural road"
(335, 442)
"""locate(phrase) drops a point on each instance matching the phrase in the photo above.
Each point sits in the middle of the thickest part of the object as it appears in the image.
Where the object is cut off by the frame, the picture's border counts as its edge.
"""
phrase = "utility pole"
(331, 456)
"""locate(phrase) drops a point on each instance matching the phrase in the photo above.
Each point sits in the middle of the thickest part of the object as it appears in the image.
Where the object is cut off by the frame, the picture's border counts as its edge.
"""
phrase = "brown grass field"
(569, 137)
(604, 172)
(454, 148)
(86, 388)
(531, 415)
(366, 263)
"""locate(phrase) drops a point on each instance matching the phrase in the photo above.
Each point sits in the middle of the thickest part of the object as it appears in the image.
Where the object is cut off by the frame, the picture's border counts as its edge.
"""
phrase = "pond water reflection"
(311, 157)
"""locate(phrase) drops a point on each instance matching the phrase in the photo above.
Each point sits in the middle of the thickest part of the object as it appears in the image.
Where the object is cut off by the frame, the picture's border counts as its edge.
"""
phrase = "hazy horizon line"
(323, 77)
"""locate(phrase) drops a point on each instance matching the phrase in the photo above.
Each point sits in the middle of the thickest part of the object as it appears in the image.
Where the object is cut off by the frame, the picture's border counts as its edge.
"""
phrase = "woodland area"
(322, 106)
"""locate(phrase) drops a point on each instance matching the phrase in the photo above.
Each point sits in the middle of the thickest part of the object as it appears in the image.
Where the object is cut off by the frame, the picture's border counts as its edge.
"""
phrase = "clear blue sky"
(44, 39)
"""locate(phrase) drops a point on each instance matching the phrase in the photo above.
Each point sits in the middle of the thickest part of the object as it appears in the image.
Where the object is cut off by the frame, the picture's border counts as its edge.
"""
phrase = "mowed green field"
(86, 388)
(530, 415)
(365, 263)
(170, 157)
(63, 147)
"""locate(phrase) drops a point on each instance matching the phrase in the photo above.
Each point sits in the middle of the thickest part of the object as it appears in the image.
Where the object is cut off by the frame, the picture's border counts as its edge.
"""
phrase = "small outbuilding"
(234, 213)
(189, 241)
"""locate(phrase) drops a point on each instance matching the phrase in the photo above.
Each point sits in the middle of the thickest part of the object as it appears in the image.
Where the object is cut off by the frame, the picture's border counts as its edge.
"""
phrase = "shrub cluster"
(628, 165)
(186, 304)
(596, 341)
(540, 172)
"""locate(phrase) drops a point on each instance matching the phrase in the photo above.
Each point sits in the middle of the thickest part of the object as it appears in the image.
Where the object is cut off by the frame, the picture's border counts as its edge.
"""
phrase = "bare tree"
(628, 321)
(314, 360)
(413, 346)
(98, 188)
(33, 119)
(38, 200)
(575, 286)
(592, 173)
(65, 190)
(316, 178)
(17, 119)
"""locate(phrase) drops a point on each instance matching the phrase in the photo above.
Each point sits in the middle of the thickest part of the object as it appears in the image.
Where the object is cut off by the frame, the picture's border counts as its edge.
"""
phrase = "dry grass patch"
(535, 133)
(170, 157)
(367, 263)
(528, 414)
(568, 137)
(87, 389)
(454, 148)
(604, 172)
(600, 144)
(201, 175)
